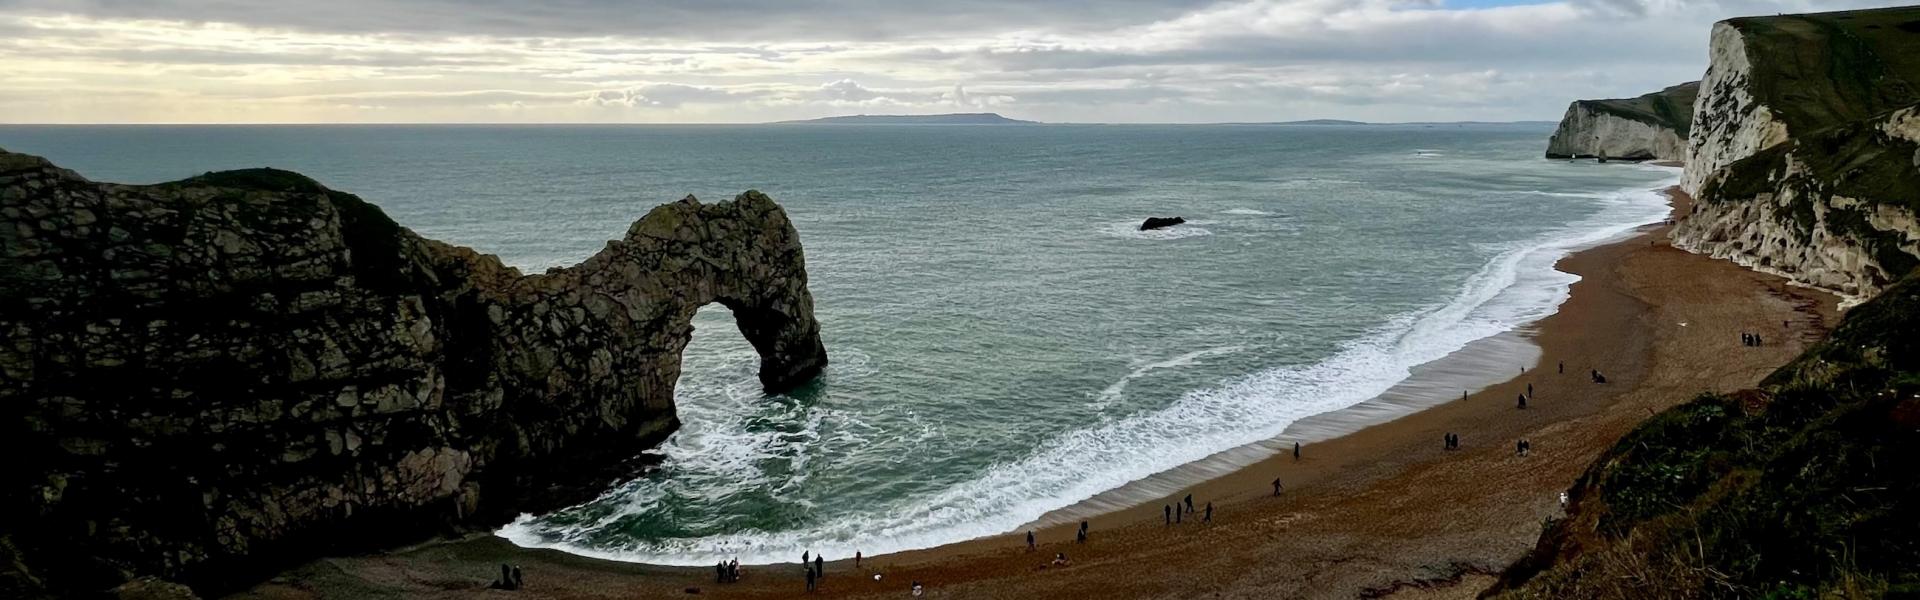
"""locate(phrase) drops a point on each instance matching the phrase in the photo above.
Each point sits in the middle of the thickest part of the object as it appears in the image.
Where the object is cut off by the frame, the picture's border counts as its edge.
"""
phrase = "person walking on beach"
(1030, 546)
(1529, 389)
(1209, 517)
(1276, 487)
(811, 577)
(805, 555)
(1177, 513)
(1523, 401)
(819, 566)
(1563, 367)
(1169, 508)
(856, 559)
(1296, 450)
(1083, 532)
(1189, 502)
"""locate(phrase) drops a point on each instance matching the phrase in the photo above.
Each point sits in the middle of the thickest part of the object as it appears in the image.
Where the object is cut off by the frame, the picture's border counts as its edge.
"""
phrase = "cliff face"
(204, 378)
(1651, 127)
(1805, 162)
(1833, 209)
(1801, 152)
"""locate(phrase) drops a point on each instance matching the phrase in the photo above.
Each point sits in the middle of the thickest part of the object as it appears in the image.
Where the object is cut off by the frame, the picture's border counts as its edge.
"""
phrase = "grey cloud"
(733, 20)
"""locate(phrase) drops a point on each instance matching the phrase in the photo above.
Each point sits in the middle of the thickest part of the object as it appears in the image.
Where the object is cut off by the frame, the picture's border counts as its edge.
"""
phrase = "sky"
(746, 61)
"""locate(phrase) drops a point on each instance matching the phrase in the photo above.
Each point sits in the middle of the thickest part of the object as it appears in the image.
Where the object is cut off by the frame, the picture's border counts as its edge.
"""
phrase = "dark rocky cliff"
(1650, 127)
(202, 379)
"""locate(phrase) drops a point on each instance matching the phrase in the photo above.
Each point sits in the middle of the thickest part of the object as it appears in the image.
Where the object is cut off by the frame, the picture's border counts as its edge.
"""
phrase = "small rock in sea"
(1159, 222)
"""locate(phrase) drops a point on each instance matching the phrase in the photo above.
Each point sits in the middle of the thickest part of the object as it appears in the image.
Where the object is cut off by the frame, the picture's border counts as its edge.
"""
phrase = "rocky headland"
(1804, 162)
(1650, 127)
(212, 378)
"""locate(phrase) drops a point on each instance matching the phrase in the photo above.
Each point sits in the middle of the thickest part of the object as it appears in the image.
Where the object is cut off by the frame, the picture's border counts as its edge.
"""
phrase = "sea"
(1005, 342)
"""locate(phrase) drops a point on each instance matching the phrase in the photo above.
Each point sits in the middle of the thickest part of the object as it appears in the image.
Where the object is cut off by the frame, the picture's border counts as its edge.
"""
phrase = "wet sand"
(1380, 512)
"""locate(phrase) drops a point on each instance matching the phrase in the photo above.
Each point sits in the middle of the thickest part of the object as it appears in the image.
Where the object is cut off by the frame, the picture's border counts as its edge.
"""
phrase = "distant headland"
(947, 119)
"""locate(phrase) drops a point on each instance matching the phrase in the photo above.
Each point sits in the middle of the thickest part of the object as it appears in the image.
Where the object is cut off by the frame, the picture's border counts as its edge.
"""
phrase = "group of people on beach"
(1177, 511)
(727, 571)
(510, 579)
(1750, 339)
(1453, 442)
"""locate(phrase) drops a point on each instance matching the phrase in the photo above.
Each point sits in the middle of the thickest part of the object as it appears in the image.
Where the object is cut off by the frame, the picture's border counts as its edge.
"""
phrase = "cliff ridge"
(215, 376)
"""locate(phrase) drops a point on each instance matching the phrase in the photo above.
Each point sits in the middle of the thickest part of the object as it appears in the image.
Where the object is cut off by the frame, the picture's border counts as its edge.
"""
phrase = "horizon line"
(801, 122)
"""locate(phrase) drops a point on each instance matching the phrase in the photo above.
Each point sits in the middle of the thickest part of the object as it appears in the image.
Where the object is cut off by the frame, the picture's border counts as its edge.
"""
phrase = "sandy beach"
(1382, 512)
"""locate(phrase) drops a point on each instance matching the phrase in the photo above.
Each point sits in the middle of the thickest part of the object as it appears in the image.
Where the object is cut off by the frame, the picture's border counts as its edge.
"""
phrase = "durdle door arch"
(213, 378)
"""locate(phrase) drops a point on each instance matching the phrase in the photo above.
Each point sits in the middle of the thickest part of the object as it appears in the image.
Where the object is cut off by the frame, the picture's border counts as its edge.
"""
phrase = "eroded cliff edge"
(1802, 155)
(1650, 127)
(205, 378)
(1805, 162)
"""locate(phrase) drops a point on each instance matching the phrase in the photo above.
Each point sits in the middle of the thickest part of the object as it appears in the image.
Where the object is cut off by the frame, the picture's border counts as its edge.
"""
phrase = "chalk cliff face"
(1651, 127)
(1833, 209)
(1801, 152)
(202, 379)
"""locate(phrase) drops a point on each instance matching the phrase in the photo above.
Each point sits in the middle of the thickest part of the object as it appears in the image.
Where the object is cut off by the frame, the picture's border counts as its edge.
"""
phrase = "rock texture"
(202, 379)
(1651, 127)
(1801, 155)
(1833, 209)
(1160, 222)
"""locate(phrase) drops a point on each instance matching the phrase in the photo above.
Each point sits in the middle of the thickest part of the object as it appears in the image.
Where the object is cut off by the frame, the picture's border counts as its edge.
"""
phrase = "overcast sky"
(723, 61)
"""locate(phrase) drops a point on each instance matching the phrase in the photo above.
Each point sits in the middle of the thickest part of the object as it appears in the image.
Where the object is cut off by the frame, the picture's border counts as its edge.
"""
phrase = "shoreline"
(1385, 501)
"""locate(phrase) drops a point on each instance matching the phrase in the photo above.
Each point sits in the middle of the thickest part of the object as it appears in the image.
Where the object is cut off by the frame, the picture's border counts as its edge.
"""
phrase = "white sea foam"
(1516, 287)
(1142, 369)
(1245, 211)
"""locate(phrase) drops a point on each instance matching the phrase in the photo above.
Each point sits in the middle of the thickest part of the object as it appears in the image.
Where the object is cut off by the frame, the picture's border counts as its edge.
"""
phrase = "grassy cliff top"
(1671, 108)
(1822, 69)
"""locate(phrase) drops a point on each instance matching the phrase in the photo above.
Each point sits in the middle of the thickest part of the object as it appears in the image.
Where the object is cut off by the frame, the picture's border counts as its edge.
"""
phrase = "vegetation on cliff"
(1670, 109)
(1804, 488)
(1824, 69)
(1653, 126)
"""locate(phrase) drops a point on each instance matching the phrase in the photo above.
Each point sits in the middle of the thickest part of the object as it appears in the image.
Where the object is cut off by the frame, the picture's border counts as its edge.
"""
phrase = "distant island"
(947, 119)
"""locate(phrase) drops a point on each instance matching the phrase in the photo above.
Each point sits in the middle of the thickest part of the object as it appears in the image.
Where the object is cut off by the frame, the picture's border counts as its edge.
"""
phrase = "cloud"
(759, 60)
(735, 20)
(847, 89)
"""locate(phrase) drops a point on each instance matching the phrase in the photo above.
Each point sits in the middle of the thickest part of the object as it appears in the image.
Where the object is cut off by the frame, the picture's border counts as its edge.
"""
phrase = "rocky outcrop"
(1833, 209)
(1651, 127)
(1771, 78)
(204, 378)
(1160, 222)
(1801, 156)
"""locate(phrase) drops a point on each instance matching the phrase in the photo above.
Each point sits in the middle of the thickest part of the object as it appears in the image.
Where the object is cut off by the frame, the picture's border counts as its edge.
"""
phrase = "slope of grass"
(1806, 488)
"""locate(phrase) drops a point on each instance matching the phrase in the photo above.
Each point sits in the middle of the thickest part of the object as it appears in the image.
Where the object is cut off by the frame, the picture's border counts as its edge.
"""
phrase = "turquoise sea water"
(1004, 341)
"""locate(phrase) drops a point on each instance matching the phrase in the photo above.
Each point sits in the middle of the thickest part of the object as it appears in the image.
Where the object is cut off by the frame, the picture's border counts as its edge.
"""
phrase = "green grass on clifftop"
(1806, 488)
(1671, 108)
(1825, 69)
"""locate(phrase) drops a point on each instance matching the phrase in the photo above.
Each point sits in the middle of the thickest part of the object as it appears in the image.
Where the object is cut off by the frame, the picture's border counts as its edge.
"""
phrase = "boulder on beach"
(1159, 222)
